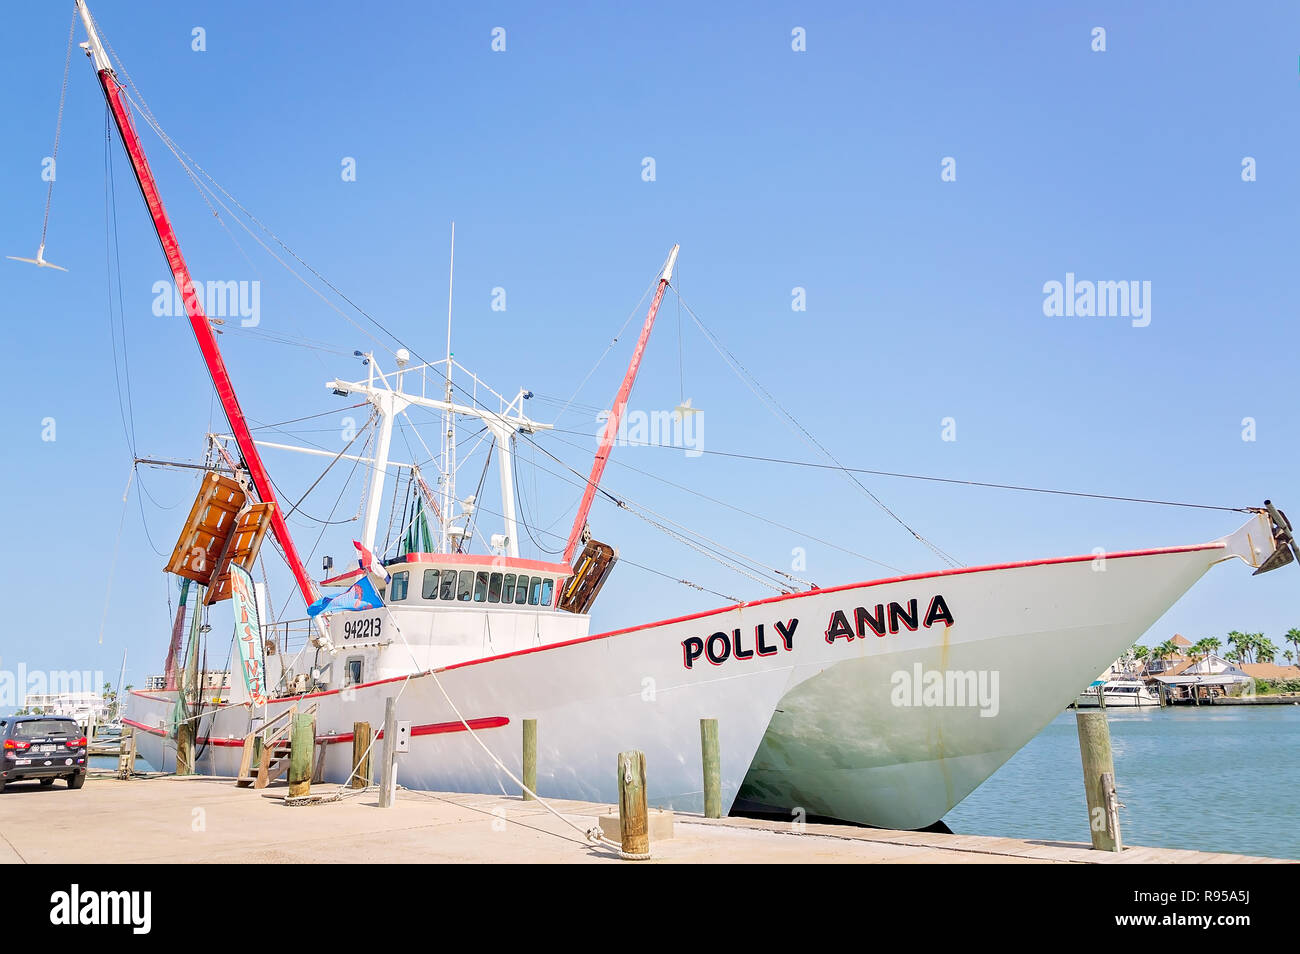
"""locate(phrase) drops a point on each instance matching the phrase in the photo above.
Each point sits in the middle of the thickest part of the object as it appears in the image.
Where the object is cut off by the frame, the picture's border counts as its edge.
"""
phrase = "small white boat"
(1123, 692)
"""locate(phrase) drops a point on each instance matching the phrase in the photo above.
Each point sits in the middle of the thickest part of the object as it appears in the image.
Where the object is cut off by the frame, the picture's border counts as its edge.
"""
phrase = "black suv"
(43, 747)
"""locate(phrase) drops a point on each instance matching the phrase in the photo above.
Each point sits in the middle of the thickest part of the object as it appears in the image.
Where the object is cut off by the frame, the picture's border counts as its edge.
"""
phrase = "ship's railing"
(290, 640)
(288, 637)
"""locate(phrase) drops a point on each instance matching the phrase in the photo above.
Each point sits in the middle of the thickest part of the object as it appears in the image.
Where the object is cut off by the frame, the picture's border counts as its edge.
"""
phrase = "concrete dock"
(169, 819)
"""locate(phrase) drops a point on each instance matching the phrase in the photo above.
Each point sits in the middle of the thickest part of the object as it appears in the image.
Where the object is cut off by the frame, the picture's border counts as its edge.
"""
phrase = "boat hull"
(818, 713)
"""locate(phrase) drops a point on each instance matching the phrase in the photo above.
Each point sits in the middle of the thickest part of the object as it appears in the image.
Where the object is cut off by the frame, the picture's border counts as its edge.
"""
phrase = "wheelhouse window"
(429, 588)
(397, 589)
(465, 586)
(480, 586)
(521, 590)
(352, 672)
(494, 588)
(447, 590)
(508, 589)
(534, 591)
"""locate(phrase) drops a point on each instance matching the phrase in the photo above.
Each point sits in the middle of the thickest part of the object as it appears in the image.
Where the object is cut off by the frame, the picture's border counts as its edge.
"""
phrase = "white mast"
(118, 694)
(389, 404)
(390, 401)
(94, 49)
(504, 434)
(449, 420)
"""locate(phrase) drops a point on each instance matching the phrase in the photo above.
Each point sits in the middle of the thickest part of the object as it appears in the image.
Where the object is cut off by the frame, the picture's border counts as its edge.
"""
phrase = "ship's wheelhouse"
(469, 581)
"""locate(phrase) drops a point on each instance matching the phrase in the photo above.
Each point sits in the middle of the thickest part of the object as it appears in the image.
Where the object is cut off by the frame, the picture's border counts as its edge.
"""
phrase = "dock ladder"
(267, 750)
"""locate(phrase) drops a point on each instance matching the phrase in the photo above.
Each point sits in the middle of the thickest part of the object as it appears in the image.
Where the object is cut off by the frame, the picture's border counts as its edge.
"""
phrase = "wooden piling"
(530, 758)
(360, 755)
(1099, 780)
(1110, 800)
(302, 744)
(388, 758)
(126, 753)
(712, 763)
(318, 763)
(633, 815)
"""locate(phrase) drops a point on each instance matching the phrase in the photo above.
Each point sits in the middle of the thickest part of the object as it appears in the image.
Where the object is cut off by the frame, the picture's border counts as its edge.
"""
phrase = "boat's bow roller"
(1266, 542)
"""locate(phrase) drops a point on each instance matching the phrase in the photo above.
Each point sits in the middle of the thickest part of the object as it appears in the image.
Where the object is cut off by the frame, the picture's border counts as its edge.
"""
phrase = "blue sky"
(775, 169)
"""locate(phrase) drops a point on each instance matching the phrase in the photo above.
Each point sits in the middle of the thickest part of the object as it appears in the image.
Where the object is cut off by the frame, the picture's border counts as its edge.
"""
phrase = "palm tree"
(1166, 650)
(1265, 650)
(1242, 645)
(1288, 656)
(1293, 637)
(1203, 648)
(110, 701)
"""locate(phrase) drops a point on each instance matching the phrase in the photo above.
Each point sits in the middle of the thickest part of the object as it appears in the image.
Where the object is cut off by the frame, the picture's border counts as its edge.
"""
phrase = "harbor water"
(1208, 779)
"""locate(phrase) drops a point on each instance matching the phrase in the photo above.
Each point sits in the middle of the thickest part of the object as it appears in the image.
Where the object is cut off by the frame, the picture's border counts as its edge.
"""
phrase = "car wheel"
(76, 781)
(47, 782)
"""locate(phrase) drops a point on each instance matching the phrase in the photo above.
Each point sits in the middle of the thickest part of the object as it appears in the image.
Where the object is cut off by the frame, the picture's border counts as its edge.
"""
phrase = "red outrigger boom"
(193, 307)
(616, 413)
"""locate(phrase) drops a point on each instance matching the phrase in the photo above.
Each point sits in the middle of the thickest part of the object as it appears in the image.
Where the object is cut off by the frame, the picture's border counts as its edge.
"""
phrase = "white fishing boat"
(1119, 692)
(883, 702)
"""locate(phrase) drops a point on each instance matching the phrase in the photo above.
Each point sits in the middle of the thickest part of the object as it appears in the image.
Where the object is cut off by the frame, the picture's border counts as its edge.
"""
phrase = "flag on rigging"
(366, 560)
(360, 595)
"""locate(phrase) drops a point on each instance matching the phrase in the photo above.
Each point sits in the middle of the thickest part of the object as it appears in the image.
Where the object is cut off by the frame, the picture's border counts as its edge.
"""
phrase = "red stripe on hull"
(432, 728)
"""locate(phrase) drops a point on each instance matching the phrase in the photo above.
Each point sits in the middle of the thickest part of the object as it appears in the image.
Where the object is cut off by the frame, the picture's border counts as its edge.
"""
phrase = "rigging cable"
(753, 566)
(473, 520)
(113, 265)
(740, 510)
(609, 347)
(336, 459)
(325, 526)
(524, 519)
(953, 480)
(309, 417)
(392, 513)
(743, 373)
(122, 372)
(187, 161)
(640, 566)
(58, 128)
(622, 504)
(112, 567)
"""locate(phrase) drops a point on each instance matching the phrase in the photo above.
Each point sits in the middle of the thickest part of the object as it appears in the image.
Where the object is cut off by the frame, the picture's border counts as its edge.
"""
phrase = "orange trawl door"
(222, 527)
